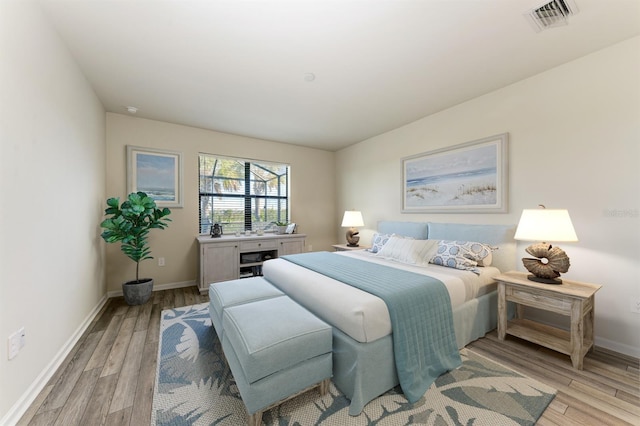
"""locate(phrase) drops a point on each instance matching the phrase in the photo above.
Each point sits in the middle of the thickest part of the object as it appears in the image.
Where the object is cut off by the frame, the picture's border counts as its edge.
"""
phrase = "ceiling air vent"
(552, 14)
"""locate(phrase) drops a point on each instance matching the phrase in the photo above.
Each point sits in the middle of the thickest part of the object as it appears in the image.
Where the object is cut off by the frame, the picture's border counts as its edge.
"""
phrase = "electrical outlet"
(310, 247)
(635, 306)
(16, 342)
(161, 261)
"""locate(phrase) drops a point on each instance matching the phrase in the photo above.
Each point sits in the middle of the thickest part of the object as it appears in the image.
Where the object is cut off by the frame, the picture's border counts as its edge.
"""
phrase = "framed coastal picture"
(467, 178)
(156, 172)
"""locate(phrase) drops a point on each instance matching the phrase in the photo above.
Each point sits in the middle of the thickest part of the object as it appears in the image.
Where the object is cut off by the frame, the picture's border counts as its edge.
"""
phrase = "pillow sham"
(409, 251)
(378, 241)
(463, 255)
(481, 253)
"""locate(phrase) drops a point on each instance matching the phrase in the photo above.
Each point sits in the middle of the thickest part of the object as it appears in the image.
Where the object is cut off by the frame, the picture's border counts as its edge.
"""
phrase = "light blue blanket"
(424, 341)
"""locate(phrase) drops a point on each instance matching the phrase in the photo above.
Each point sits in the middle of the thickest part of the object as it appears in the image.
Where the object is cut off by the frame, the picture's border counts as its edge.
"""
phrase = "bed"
(363, 353)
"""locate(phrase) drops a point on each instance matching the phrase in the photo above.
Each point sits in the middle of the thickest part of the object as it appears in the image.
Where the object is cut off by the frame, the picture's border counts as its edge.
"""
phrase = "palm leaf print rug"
(194, 386)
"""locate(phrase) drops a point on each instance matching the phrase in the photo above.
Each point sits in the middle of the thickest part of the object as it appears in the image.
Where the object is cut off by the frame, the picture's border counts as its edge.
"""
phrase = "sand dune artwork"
(469, 177)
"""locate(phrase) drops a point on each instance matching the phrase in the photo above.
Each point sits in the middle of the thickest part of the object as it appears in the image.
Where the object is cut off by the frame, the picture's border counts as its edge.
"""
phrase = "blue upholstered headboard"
(496, 235)
(417, 230)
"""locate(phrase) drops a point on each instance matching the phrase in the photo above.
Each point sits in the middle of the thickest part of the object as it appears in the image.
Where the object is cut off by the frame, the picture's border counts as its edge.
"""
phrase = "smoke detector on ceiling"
(552, 14)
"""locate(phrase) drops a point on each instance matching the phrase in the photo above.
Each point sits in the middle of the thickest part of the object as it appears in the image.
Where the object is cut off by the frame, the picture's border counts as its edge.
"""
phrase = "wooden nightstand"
(344, 247)
(571, 298)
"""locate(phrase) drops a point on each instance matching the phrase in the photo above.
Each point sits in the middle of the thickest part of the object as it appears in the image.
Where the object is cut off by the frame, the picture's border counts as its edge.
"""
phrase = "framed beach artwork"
(157, 172)
(465, 178)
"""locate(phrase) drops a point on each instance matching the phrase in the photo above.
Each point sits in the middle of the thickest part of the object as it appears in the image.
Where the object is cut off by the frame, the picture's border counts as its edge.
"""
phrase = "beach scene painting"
(469, 177)
(157, 173)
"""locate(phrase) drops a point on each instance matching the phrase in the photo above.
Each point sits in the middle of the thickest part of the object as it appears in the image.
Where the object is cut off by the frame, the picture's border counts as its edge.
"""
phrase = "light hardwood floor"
(109, 376)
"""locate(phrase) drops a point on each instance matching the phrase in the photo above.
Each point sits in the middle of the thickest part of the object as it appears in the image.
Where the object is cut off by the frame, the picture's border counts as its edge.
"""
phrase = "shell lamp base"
(554, 281)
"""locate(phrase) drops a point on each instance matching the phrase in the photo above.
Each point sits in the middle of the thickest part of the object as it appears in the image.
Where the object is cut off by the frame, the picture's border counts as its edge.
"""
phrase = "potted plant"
(282, 227)
(130, 224)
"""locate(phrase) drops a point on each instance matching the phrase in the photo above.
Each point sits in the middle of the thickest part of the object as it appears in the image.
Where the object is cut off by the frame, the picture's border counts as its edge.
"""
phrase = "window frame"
(249, 195)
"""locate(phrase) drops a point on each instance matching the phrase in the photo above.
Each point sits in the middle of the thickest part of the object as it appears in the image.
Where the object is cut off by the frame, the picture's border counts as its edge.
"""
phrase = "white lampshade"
(547, 225)
(352, 218)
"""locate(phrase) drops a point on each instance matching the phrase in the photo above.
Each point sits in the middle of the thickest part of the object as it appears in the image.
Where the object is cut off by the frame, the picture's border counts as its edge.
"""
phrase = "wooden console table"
(230, 257)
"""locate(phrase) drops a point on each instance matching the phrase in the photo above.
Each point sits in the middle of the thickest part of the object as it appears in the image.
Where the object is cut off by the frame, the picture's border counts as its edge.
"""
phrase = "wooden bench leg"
(255, 419)
(324, 387)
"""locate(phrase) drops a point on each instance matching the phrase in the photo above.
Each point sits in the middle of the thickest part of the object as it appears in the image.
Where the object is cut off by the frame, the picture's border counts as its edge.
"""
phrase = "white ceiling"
(240, 66)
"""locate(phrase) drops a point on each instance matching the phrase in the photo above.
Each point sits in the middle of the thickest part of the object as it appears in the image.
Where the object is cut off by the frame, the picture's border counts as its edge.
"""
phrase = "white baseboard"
(617, 347)
(157, 287)
(560, 321)
(22, 405)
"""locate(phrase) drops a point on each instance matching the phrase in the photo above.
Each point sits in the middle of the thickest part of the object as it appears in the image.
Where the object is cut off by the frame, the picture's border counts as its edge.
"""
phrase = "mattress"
(363, 316)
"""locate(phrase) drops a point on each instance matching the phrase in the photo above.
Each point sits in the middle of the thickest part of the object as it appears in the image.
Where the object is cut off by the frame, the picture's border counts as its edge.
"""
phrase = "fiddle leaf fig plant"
(130, 224)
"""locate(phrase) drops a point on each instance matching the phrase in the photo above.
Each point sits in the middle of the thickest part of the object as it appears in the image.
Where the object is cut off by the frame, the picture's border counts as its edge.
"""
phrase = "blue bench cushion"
(274, 334)
(236, 292)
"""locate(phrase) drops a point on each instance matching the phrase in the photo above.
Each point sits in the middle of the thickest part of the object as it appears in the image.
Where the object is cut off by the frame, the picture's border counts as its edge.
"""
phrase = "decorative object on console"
(351, 219)
(282, 227)
(545, 225)
(216, 230)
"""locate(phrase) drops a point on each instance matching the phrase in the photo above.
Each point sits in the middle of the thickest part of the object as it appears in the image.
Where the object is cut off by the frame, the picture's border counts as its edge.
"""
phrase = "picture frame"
(157, 172)
(290, 228)
(471, 177)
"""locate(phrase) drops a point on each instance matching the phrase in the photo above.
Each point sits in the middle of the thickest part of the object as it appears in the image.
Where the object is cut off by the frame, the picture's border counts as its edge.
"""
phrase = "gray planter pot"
(282, 230)
(137, 293)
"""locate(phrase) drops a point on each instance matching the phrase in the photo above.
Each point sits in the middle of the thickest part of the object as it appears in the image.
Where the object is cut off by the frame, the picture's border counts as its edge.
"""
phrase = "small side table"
(344, 247)
(571, 298)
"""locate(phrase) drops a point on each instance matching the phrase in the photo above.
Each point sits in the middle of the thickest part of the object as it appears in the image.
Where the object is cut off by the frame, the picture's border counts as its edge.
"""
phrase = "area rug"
(194, 386)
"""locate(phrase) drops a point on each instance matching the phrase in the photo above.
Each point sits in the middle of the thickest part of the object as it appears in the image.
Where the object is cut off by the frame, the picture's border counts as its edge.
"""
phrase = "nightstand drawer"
(556, 303)
(257, 245)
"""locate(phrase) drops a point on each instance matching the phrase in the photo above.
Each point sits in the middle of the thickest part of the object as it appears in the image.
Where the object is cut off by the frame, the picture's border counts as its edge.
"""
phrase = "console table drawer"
(257, 245)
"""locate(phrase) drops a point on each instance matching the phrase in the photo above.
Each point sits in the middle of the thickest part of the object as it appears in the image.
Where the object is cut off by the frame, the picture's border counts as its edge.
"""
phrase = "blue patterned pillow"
(481, 253)
(378, 241)
(463, 255)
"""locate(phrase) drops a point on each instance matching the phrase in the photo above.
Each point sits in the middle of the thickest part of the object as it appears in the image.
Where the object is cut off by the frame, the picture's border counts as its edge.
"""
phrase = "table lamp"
(545, 225)
(352, 219)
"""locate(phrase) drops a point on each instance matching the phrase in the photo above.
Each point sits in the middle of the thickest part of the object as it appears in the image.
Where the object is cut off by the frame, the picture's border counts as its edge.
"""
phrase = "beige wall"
(575, 133)
(312, 192)
(574, 144)
(52, 181)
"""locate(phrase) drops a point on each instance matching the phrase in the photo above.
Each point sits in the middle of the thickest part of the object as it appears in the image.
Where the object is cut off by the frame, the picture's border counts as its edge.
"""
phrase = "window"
(242, 194)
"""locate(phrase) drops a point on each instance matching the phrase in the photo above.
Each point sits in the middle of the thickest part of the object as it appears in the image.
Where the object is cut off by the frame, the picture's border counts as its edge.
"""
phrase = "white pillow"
(408, 250)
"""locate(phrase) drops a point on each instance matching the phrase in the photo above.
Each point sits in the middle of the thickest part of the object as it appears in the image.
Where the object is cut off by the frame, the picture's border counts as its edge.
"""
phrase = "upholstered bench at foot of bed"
(276, 349)
(237, 292)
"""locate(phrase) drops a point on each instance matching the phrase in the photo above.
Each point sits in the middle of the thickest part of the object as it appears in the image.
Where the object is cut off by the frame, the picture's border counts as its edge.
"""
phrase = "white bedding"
(363, 316)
